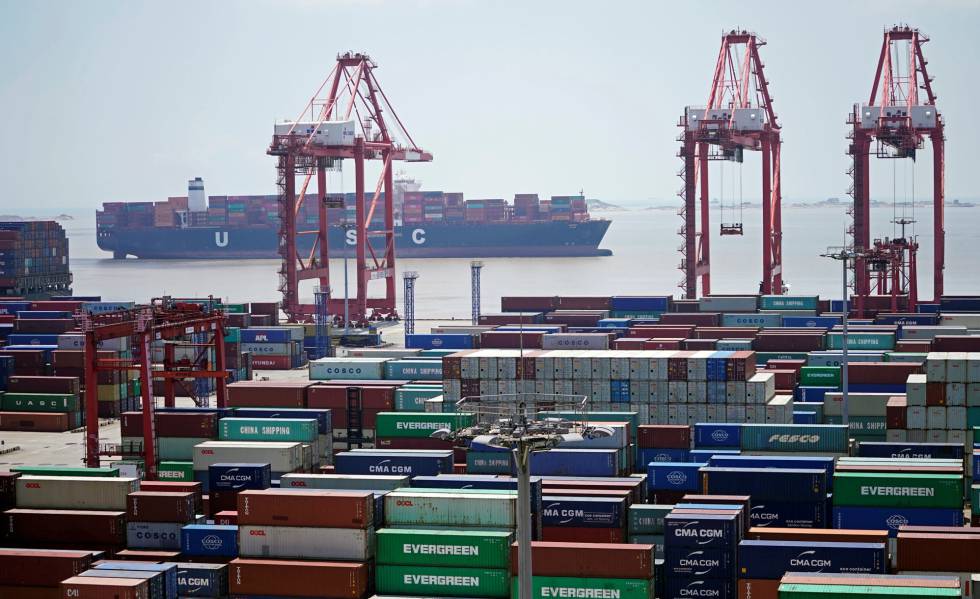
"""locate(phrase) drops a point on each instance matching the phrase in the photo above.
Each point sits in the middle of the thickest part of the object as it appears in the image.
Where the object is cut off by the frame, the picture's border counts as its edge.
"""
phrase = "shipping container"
(79, 587)
(209, 540)
(74, 492)
(407, 463)
(794, 437)
(157, 506)
(307, 508)
(459, 548)
(893, 518)
(583, 512)
(898, 490)
(330, 580)
(461, 509)
(771, 559)
(550, 587)
(202, 580)
(302, 542)
(773, 484)
(432, 581)
(588, 560)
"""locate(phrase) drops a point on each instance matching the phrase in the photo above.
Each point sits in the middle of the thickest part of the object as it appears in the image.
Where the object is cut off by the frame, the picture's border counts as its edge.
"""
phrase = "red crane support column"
(360, 306)
(221, 386)
(389, 187)
(169, 399)
(91, 402)
(704, 251)
(766, 217)
(149, 431)
(690, 223)
(777, 218)
(938, 212)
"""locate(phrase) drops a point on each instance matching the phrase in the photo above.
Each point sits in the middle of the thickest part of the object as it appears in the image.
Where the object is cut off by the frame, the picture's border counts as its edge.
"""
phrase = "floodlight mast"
(523, 436)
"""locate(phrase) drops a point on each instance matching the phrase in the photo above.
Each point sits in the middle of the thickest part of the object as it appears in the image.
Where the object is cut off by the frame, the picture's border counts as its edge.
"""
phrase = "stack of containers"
(225, 480)
(324, 438)
(432, 541)
(301, 430)
(661, 443)
(154, 519)
(353, 405)
(420, 462)
(413, 430)
(587, 570)
(412, 397)
(282, 457)
(700, 553)
(783, 495)
(584, 516)
(645, 524)
(943, 403)
(274, 348)
(326, 369)
(39, 572)
(92, 507)
(857, 586)
(939, 549)
(881, 493)
(43, 403)
(415, 369)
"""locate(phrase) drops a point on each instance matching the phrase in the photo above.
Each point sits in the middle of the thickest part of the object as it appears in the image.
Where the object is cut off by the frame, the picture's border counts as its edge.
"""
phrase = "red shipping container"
(658, 343)
(947, 343)
(86, 587)
(147, 555)
(177, 487)
(52, 528)
(629, 343)
(511, 339)
(226, 518)
(330, 580)
(935, 394)
(698, 344)
(881, 373)
(268, 394)
(26, 361)
(576, 318)
(511, 319)
(726, 333)
(327, 509)
(664, 436)
(659, 331)
(817, 535)
(43, 384)
(56, 305)
(569, 534)
(936, 552)
(588, 560)
(559, 486)
(413, 443)
(895, 412)
(186, 424)
(583, 303)
(785, 379)
(802, 341)
(701, 319)
(794, 365)
(44, 325)
(42, 422)
(749, 588)
(913, 346)
(30, 592)
(522, 304)
(131, 424)
(41, 567)
(8, 487)
(160, 506)
(272, 362)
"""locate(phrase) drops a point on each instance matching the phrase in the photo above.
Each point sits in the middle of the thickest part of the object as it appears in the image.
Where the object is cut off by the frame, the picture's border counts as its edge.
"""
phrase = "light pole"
(475, 267)
(844, 255)
(513, 423)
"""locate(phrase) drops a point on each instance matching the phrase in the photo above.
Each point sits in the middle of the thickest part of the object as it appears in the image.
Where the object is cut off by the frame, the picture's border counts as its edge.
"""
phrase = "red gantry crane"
(349, 117)
(738, 116)
(898, 119)
(162, 320)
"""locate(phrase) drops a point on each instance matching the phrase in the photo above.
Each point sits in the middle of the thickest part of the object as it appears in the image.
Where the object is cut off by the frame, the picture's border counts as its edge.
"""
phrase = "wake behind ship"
(429, 224)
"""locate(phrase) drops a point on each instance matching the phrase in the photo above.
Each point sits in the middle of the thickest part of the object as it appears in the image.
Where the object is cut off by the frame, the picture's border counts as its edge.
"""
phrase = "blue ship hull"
(424, 240)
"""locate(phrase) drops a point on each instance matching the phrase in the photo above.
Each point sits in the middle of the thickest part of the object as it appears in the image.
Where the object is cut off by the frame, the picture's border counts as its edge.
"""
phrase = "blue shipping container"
(936, 451)
(717, 435)
(239, 476)
(814, 394)
(707, 531)
(647, 455)
(209, 540)
(169, 570)
(43, 314)
(32, 339)
(800, 417)
(265, 335)
(778, 461)
(674, 476)
(769, 560)
(695, 562)
(703, 456)
(574, 462)
(202, 580)
(817, 322)
(891, 518)
(406, 463)
(583, 512)
(790, 514)
(649, 303)
(440, 341)
(716, 588)
(12, 308)
(765, 483)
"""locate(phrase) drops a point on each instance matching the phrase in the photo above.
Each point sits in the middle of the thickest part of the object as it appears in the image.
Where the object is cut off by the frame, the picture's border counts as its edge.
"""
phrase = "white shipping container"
(74, 492)
(955, 394)
(928, 333)
(300, 542)
(375, 352)
(917, 436)
(735, 392)
(936, 367)
(973, 395)
(956, 418)
(779, 410)
(956, 367)
(153, 535)
(747, 303)
(936, 436)
(282, 457)
(735, 413)
(677, 392)
(858, 404)
(326, 369)
(958, 436)
(915, 389)
(760, 388)
(970, 321)
(973, 367)
(896, 435)
(915, 417)
(936, 418)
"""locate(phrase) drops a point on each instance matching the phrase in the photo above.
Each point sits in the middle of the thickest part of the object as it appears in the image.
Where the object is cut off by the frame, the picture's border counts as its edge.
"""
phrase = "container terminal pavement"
(728, 471)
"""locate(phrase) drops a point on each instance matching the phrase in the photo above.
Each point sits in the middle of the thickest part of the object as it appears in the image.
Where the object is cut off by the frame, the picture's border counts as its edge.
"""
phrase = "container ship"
(429, 224)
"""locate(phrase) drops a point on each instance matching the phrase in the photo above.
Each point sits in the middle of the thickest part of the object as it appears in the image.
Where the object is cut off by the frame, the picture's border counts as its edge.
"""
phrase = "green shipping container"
(820, 438)
(427, 581)
(417, 424)
(893, 356)
(820, 376)
(457, 509)
(635, 314)
(975, 500)
(412, 398)
(647, 519)
(460, 548)
(835, 591)
(973, 420)
(179, 449)
(268, 429)
(551, 587)
(789, 302)
(898, 489)
(236, 308)
(863, 428)
(65, 471)
(39, 402)
(176, 471)
(233, 335)
(884, 341)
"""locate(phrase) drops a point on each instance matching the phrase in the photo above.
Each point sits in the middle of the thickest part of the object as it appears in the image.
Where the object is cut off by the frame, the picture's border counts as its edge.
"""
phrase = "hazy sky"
(125, 100)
